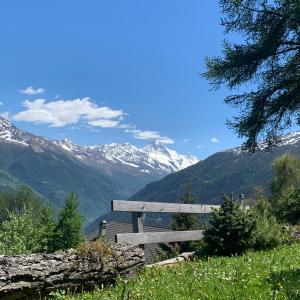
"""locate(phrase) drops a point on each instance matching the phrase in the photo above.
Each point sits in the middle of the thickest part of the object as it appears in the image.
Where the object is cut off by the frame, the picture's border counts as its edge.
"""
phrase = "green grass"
(259, 275)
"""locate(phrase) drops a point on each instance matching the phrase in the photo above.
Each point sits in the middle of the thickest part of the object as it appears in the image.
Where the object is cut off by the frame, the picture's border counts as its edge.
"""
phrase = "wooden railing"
(139, 209)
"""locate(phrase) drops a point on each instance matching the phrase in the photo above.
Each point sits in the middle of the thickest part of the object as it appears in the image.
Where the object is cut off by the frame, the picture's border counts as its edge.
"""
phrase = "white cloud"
(60, 113)
(1, 103)
(149, 135)
(185, 140)
(199, 146)
(104, 123)
(126, 126)
(82, 112)
(214, 140)
(32, 91)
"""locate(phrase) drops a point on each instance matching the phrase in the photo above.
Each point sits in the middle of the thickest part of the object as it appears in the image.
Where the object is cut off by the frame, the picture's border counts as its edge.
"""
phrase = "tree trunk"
(35, 275)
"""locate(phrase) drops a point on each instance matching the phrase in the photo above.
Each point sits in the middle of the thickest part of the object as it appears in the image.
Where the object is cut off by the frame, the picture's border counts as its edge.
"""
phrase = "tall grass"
(256, 275)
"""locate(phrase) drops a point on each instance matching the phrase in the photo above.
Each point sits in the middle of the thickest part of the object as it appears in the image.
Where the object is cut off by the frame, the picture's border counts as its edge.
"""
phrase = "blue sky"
(114, 71)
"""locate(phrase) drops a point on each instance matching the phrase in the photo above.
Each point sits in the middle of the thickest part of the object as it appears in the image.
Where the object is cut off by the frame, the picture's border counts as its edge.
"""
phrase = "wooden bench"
(139, 209)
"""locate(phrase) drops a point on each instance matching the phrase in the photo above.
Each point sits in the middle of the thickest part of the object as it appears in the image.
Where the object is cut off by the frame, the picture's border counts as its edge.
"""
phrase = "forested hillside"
(230, 171)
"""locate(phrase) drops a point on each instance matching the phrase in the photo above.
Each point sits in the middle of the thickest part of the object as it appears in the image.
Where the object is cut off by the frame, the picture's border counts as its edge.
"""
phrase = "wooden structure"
(139, 209)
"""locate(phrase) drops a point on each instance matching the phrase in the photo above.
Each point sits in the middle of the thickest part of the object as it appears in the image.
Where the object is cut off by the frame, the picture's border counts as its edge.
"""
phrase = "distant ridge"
(97, 174)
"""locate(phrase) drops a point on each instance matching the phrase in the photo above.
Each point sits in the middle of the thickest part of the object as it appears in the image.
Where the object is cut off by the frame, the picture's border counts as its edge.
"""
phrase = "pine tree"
(232, 230)
(268, 59)
(69, 230)
(186, 221)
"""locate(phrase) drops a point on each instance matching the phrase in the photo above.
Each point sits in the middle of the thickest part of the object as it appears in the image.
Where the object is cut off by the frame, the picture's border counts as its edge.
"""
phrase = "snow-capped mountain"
(154, 158)
(97, 174)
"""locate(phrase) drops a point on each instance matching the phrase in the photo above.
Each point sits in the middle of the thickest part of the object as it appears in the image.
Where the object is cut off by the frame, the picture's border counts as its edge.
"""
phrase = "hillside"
(228, 171)
(96, 173)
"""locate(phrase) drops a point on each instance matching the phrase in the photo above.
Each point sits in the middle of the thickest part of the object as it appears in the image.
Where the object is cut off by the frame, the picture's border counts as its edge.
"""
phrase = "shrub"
(21, 233)
(100, 246)
(285, 189)
(269, 233)
(232, 229)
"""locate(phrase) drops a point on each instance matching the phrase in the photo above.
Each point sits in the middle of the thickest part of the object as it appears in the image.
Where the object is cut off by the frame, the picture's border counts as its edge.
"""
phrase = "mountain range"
(97, 173)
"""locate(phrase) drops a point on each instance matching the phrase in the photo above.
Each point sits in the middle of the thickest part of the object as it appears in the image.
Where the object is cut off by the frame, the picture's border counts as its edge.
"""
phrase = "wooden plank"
(159, 237)
(139, 206)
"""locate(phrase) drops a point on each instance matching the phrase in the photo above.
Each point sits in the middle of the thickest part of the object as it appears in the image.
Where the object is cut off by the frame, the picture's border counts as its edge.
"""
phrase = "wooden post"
(102, 228)
(241, 198)
(138, 223)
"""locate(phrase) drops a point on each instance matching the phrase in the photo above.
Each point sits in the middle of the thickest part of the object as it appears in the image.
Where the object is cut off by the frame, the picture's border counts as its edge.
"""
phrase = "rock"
(28, 276)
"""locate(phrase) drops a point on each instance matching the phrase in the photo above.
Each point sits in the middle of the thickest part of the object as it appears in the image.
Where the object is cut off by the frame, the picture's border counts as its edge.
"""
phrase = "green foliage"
(69, 230)
(26, 224)
(287, 174)
(263, 275)
(232, 229)
(22, 233)
(269, 233)
(285, 189)
(18, 200)
(269, 58)
(186, 221)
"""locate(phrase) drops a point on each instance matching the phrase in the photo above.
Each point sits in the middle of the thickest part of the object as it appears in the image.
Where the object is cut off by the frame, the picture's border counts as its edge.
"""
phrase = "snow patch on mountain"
(285, 140)
(10, 133)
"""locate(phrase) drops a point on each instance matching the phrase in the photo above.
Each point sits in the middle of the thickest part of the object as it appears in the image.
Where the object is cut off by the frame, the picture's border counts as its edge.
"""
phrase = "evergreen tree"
(285, 189)
(186, 221)
(69, 230)
(269, 58)
(232, 230)
(48, 224)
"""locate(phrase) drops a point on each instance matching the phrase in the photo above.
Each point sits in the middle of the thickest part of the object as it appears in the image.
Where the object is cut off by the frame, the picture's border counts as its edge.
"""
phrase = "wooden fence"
(139, 209)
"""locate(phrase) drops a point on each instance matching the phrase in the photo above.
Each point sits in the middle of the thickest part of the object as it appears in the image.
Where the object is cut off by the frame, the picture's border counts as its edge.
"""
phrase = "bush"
(232, 230)
(269, 233)
(21, 233)
(285, 189)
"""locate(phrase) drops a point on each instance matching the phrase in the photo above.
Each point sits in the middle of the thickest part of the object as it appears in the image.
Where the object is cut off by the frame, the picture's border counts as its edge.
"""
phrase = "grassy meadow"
(273, 274)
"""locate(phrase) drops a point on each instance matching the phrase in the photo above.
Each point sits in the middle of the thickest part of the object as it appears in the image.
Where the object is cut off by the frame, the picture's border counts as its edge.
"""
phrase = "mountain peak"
(5, 122)
(156, 145)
